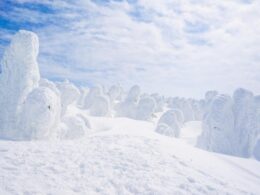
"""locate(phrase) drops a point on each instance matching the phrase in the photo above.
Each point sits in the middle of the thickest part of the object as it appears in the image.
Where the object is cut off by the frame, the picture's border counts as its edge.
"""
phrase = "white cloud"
(173, 47)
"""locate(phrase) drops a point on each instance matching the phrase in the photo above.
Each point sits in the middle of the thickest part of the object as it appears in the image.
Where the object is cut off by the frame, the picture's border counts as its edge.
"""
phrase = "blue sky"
(172, 47)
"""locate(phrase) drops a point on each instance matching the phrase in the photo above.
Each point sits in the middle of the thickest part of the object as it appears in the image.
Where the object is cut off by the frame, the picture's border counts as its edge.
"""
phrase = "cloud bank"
(173, 47)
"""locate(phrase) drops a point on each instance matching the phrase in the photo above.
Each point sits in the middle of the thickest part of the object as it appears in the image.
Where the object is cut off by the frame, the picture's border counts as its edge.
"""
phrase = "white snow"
(19, 76)
(100, 106)
(69, 94)
(145, 108)
(245, 122)
(42, 109)
(218, 126)
(94, 141)
(168, 124)
(123, 157)
(230, 125)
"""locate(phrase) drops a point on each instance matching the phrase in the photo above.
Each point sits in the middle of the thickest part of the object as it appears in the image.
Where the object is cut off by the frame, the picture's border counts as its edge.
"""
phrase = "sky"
(173, 47)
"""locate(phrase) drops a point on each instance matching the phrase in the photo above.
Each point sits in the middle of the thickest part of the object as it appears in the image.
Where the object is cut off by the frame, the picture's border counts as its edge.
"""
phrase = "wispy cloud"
(173, 47)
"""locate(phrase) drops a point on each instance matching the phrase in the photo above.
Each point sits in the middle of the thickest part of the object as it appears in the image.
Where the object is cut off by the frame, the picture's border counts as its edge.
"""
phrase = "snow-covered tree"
(100, 106)
(93, 93)
(168, 124)
(69, 94)
(145, 108)
(19, 76)
(245, 122)
(128, 107)
(218, 126)
(41, 114)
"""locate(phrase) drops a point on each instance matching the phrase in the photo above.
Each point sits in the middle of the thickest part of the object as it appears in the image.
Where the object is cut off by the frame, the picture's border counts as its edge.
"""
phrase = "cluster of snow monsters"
(231, 125)
(36, 108)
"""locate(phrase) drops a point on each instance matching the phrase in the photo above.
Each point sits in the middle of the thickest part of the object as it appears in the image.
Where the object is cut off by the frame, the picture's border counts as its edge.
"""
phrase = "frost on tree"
(256, 149)
(134, 94)
(97, 102)
(100, 106)
(179, 116)
(19, 76)
(184, 105)
(83, 94)
(115, 93)
(50, 85)
(145, 108)
(159, 102)
(197, 107)
(69, 94)
(168, 124)
(129, 106)
(41, 114)
(187, 110)
(257, 106)
(245, 122)
(93, 93)
(218, 126)
(210, 95)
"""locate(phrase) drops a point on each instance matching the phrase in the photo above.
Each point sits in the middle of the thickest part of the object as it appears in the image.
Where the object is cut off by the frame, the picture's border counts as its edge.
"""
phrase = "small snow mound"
(74, 127)
(100, 106)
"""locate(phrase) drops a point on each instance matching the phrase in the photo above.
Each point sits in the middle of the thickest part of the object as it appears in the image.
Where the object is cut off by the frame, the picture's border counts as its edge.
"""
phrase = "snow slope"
(122, 156)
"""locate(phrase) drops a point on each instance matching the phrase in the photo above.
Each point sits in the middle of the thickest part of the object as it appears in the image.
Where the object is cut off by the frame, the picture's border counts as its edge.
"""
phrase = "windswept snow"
(126, 158)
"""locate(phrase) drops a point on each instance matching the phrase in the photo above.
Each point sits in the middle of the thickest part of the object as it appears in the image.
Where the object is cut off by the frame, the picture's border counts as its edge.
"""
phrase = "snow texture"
(115, 93)
(256, 151)
(128, 107)
(230, 126)
(19, 76)
(69, 94)
(168, 124)
(100, 106)
(218, 126)
(41, 114)
(160, 102)
(93, 93)
(119, 155)
(74, 127)
(145, 108)
(245, 122)
(127, 158)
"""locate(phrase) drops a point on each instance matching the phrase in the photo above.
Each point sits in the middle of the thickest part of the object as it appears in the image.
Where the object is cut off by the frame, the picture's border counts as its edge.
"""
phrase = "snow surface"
(122, 156)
